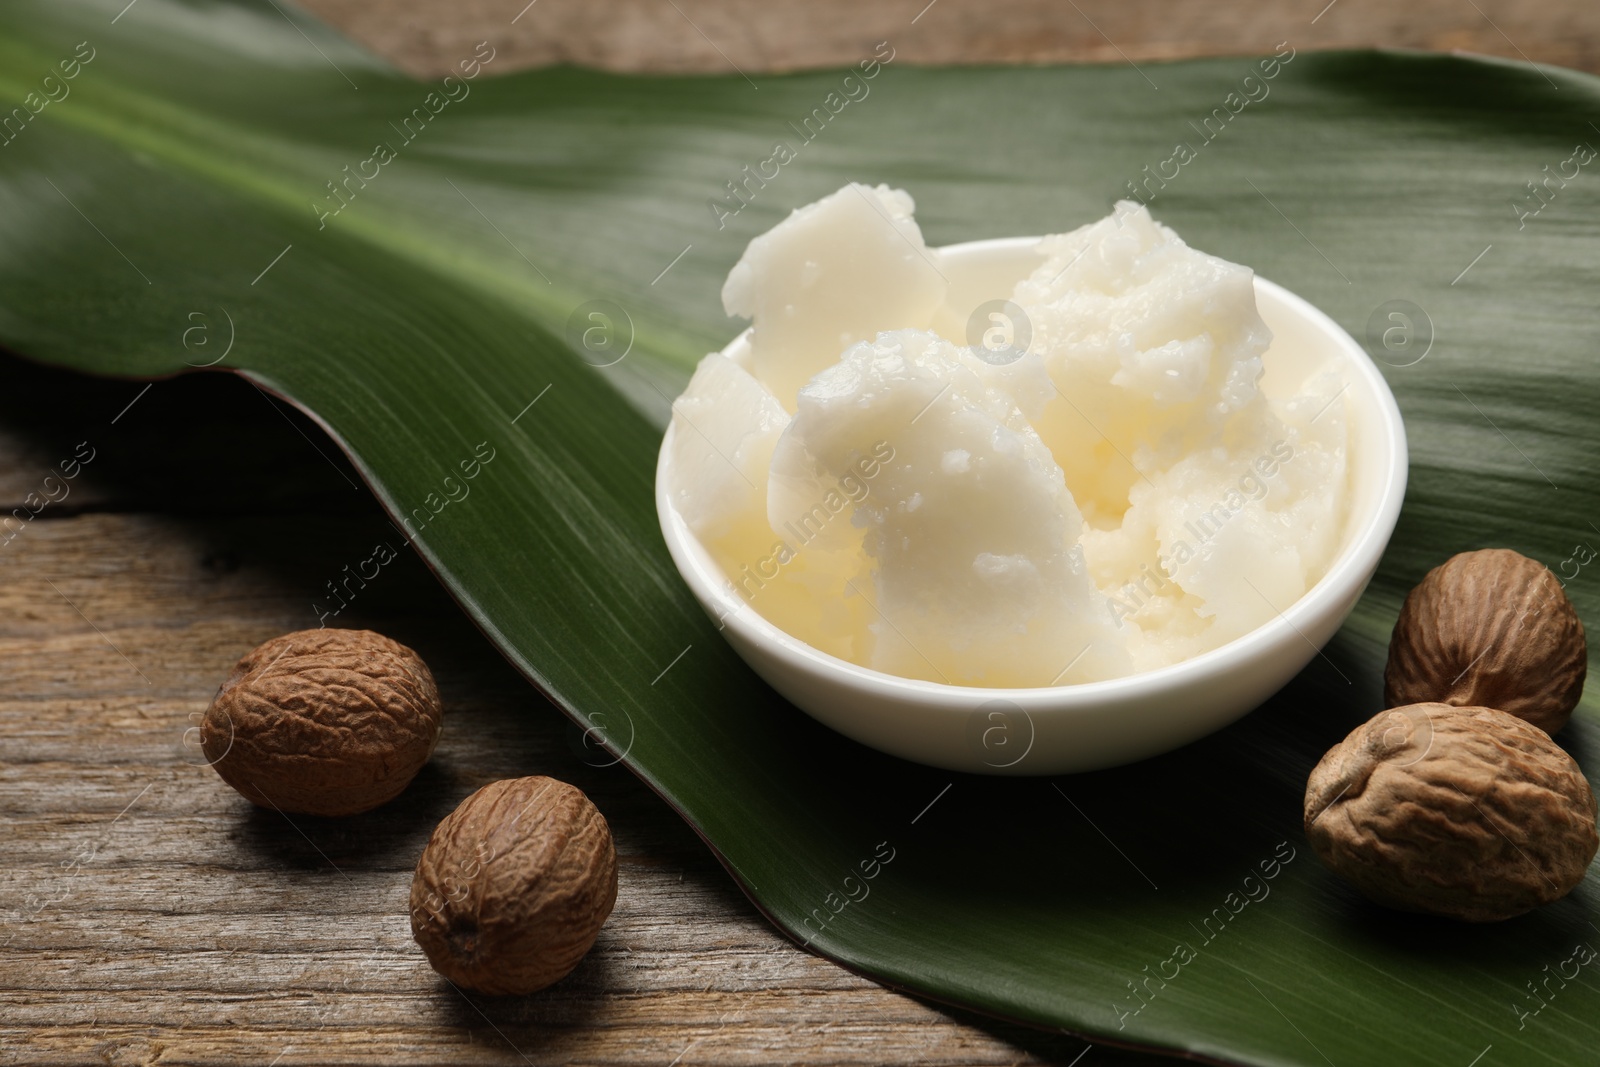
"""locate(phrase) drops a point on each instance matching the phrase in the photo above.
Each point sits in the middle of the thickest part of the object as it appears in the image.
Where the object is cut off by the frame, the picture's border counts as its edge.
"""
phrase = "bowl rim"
(1351, 568)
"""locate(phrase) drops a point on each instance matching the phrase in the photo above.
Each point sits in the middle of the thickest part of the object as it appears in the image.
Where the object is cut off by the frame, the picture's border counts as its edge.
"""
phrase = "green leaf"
(175, 189)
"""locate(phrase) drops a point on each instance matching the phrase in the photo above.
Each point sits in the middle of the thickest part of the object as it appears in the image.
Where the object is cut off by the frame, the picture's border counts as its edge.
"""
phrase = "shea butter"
(1114, 493)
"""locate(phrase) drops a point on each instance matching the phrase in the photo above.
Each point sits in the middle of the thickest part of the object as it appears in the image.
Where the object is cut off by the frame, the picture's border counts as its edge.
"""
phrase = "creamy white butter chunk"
(1120, 497)
(1227, 537)
(1155, 350)
(976, 574)
(727, 426)
(831, 274)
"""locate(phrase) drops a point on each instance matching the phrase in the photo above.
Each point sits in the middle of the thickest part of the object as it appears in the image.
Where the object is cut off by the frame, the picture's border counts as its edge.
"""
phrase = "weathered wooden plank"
(717, 35)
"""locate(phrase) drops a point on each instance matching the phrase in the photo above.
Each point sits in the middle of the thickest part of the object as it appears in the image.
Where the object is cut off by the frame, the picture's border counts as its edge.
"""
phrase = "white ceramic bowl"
(1097, 724)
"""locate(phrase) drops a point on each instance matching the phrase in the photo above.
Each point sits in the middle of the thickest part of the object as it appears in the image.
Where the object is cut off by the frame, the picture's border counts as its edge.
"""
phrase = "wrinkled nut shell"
(1489, 629)
(323, 722)
(514, 886)
(1465, 812)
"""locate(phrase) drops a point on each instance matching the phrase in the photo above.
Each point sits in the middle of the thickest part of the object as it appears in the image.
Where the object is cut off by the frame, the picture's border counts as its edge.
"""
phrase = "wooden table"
(149, 915)
(428, 36)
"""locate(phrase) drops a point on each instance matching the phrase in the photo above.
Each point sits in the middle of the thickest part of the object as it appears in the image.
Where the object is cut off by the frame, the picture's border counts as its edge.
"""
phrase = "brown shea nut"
(1464, 812)
(514, 886)
(323, 722)
(1489, 629)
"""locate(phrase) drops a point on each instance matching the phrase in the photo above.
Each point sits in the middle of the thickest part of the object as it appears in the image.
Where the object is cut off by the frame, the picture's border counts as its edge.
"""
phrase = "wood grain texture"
(148, 914)
(427, 37)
